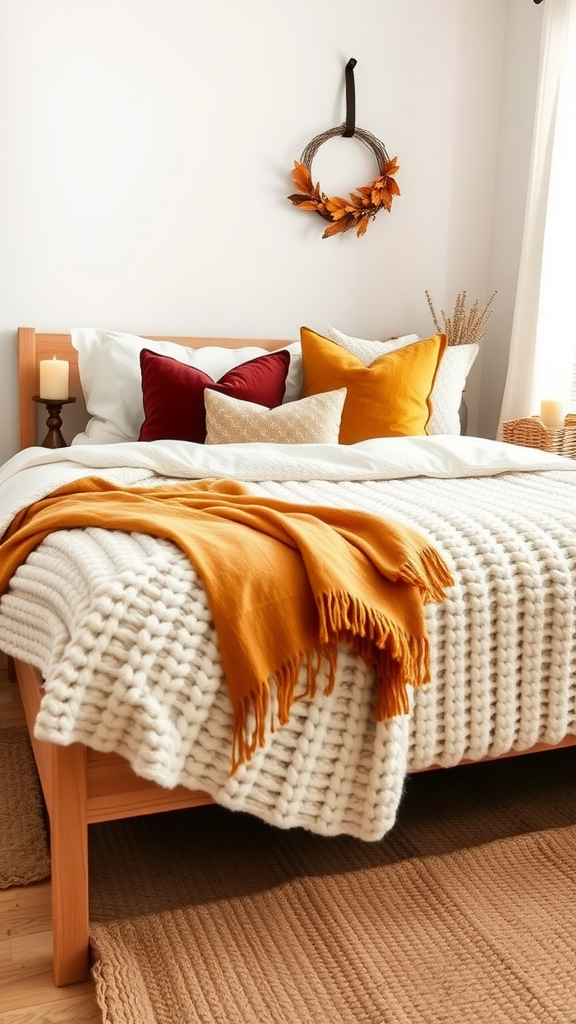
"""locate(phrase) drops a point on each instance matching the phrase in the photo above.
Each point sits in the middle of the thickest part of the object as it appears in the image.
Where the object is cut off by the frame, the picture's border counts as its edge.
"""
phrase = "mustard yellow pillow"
(389, 398)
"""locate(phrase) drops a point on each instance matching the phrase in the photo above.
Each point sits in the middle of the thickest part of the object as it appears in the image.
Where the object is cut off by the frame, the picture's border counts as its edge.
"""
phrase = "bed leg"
(11, 668)
(69, 862)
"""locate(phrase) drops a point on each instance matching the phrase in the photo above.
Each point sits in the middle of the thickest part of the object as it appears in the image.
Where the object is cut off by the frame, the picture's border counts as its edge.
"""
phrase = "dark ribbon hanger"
(350, 100)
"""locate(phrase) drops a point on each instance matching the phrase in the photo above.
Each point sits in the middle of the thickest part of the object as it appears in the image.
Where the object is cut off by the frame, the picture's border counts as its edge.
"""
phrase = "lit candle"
(553, 412)
(54, 378)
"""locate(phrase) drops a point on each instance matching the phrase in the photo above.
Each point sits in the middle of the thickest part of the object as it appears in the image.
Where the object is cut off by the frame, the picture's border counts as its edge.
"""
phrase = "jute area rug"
(24, 855)
(464, 914)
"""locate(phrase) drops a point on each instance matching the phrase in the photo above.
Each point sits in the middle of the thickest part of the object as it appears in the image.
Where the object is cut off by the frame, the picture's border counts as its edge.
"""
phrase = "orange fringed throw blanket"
(285, 583)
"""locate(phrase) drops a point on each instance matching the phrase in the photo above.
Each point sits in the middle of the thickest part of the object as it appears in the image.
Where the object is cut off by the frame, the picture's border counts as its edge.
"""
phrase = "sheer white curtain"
(543, 341)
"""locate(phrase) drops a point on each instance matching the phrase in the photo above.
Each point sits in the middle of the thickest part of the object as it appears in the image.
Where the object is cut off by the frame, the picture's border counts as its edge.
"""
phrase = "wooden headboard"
(32, 347)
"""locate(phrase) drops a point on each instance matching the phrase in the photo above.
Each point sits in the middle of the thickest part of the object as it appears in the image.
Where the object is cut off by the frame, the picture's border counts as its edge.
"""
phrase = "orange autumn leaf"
(384, 188)
(302, 178)
(335, 228)
(387, 194)
(362, 226)
(303, 202)
(338, 207)
(361, 201)
(339, 215)
(337, 203)
(391, 167)
(311, 198)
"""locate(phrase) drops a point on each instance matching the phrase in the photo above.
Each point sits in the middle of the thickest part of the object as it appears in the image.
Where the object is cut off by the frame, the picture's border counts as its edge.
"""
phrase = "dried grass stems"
(463, 327)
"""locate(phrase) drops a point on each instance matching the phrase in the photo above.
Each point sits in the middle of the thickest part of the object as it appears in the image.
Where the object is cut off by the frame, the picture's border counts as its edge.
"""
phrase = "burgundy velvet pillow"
(173, 392)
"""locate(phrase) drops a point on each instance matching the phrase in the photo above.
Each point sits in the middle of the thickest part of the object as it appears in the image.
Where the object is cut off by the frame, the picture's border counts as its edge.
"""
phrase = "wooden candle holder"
(54, 437)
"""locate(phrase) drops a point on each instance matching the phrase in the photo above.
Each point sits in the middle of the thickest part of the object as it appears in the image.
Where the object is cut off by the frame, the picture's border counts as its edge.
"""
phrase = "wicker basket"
(532, 433)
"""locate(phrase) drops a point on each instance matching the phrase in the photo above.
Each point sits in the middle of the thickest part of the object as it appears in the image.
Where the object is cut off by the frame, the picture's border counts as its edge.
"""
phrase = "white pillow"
(109, 367)
(446, 394)
(312, 420)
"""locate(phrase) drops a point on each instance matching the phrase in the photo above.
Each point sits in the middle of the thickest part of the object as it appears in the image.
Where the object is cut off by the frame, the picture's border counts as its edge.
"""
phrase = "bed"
(502, 642)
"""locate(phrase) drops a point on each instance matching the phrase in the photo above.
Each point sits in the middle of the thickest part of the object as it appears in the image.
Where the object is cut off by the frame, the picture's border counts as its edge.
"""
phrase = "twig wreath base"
(362, 205)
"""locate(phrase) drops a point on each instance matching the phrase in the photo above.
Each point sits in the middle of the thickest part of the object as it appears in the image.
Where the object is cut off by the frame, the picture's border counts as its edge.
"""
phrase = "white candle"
(54, 378)
(553, 412)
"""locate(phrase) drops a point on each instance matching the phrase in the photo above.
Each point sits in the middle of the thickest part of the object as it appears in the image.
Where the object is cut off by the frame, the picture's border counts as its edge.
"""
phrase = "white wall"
(145, 154)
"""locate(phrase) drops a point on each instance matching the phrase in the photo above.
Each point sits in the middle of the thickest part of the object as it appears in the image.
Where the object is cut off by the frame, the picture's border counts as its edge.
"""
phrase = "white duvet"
(120, 628)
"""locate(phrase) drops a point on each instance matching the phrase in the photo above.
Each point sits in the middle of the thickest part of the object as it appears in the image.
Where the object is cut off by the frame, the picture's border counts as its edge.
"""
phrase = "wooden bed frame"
(80, 785)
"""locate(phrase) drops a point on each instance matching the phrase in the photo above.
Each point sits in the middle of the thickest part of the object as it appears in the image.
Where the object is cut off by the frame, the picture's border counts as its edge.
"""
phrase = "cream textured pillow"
(314, 420)
(450, 380)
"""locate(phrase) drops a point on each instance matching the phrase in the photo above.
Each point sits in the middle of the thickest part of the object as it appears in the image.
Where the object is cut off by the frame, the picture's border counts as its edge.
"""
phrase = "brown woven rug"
(464, 914)
(24, 855)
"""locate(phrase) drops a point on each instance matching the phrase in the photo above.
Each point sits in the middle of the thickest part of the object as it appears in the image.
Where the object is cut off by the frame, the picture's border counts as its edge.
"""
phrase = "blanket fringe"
(253, 715)
(398, 660)
(429, 573)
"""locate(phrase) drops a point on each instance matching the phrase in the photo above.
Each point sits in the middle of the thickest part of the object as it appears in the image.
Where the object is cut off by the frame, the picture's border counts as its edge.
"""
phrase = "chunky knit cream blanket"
(93, 609)
(286, 583)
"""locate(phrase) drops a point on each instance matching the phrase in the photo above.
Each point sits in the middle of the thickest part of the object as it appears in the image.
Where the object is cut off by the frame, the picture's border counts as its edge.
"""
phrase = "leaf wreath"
(356, 212)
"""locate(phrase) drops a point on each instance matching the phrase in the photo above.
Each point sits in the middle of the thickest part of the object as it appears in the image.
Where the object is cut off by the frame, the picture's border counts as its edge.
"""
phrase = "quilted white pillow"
(365, 350)
(446, 394)
(313, 420)
(109, 366)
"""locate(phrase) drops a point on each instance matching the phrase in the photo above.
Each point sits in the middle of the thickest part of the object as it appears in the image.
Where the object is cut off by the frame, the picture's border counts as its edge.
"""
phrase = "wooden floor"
(27, 991)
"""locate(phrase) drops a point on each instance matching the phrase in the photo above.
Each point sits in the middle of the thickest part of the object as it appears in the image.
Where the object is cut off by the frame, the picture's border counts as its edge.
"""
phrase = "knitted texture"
(312, 420)
(351, 577)
(120, 627)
